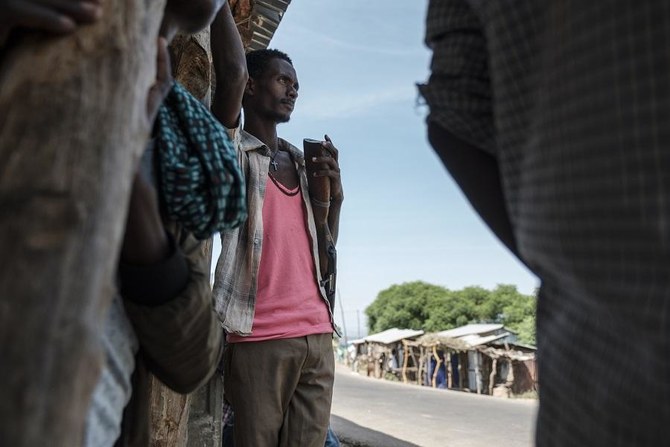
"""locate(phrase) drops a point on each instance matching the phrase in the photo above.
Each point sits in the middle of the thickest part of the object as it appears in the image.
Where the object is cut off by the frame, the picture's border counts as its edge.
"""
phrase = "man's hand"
(163, 82)
(56, 16)
(145, 241)
(332, 170)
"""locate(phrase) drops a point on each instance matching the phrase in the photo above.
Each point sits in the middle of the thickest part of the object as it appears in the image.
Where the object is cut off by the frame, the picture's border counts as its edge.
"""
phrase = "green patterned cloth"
(199, 176)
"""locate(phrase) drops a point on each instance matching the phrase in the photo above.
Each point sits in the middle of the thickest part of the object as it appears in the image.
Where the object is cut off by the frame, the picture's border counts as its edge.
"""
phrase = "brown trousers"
(280, 390)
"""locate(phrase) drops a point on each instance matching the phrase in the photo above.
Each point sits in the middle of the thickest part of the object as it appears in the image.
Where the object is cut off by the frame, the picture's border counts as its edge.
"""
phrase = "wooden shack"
(481, 358)
(434, 351)
(512, 370)
(382, 355)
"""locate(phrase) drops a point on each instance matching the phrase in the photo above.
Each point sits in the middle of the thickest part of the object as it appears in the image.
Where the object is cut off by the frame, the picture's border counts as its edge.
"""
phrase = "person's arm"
(336, 192)
(145, 241)
(477, 174)
(461, 126)
(328, 223)
(181, 338)
(56, 16)
(164, 280)
(332, 171)
(230, 68)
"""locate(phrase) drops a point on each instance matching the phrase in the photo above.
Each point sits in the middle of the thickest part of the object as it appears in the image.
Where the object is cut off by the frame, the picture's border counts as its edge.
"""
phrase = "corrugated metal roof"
(452, 343)
(265, 18)
(392, 335)
(470, 329)
(476, 340)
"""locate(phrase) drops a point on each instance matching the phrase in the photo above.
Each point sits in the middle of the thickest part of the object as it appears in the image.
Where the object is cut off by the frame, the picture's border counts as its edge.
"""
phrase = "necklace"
(283, 188)
(278, 184)
(273, 162)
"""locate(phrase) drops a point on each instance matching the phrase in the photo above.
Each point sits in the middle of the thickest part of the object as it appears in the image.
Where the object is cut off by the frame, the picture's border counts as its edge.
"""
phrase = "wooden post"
(492, 376)
(438, 362)
(463, 357)
(422, 360)
(404, 361)
(510, 374)
(415, 361)
(450, 379)
(194, 419)
(72, 125)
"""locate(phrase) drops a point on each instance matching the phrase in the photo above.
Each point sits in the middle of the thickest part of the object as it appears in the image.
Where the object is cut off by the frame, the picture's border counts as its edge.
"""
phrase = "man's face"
(275, 92)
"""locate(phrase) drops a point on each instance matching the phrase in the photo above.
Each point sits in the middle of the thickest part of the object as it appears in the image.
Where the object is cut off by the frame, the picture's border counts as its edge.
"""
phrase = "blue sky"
(403, 218)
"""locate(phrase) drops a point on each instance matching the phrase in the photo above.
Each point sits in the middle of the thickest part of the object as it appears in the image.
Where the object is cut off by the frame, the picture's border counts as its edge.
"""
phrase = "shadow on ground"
(354, 435)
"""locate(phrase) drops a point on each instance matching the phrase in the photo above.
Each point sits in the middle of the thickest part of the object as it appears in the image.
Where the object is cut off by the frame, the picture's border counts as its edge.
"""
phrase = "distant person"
(270, 283)
(553, 117)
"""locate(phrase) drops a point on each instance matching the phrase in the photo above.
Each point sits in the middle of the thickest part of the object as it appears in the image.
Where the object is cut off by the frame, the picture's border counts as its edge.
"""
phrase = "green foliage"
(419, 305)
(525, 329)
(392, 309)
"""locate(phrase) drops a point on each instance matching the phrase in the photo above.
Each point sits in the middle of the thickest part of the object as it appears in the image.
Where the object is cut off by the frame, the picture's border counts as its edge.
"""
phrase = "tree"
(404, 306)
(525, 330)
(72, 124)
(419, 305)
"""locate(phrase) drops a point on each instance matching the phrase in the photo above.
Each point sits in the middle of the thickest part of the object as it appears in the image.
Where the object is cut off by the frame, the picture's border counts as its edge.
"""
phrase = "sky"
(403, 218)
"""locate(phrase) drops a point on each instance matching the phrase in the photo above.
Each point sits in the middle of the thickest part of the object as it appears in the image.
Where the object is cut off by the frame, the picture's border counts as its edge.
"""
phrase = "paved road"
(381, 413)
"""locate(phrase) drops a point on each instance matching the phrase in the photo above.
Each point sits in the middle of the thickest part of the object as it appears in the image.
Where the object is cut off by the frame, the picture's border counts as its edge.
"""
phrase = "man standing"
(279, 362)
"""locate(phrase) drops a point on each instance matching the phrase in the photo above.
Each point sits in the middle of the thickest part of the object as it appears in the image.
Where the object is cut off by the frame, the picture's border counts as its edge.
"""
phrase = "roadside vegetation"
(432, 308)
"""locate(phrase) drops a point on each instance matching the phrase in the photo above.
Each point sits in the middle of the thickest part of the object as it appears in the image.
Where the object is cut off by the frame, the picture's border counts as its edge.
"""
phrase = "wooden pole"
(438, 362)
(422, 361)
(450, 378)
(492, 376)
(72, 125)
(462, 359)
(510, 375)
(405, 360)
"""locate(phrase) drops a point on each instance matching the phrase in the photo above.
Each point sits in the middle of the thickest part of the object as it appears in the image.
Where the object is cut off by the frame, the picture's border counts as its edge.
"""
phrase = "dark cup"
(319, 187)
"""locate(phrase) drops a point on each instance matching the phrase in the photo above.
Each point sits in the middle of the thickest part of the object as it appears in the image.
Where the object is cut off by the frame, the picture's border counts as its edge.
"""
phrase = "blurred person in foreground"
(162, 321)
(553, 118)
(188, 187)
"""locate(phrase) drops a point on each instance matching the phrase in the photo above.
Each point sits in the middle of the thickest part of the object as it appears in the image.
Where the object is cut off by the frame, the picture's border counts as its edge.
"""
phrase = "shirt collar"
(249, 142)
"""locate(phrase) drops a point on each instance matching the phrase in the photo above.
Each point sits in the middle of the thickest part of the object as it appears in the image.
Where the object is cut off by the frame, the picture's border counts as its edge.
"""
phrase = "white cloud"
(387, 51)
(376, 44)
(339, 105)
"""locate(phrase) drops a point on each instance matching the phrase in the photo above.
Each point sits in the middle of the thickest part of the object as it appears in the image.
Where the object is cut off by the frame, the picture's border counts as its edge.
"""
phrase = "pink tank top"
(288, 303)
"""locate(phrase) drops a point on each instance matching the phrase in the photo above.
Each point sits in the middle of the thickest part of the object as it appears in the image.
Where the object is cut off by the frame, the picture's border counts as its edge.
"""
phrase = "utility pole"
(344, 324)
(358, 323)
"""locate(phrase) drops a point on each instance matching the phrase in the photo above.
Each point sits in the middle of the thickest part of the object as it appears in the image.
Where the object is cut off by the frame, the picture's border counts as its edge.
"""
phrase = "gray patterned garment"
(572, 98)
(113, 390)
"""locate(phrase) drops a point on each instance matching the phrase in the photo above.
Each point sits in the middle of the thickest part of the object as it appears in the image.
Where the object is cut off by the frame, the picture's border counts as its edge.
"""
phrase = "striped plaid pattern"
(198, 171)
(228, 414)
(573, 99)
(235, 280)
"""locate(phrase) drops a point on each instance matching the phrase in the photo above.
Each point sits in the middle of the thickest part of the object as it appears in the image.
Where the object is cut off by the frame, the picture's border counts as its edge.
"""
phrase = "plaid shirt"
(573, 99)
(228, 415)
(237, 268)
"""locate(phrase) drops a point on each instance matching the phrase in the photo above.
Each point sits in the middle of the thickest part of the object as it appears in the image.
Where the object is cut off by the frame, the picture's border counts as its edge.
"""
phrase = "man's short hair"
(258, 60)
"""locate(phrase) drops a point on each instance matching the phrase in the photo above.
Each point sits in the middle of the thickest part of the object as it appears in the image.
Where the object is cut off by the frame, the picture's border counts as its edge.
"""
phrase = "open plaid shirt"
(235, 280)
